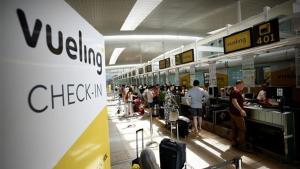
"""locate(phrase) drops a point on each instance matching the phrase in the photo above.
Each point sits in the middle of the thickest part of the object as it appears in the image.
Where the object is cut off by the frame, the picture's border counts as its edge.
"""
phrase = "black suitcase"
(162, 112)
(172, 154)
(137, 160)
(183, 126)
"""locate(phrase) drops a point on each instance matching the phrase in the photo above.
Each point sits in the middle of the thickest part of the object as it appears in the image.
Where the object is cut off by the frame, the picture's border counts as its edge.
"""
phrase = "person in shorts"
(198, 96)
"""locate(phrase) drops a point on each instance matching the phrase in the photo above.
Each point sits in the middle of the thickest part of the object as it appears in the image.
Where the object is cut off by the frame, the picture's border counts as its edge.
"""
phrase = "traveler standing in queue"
(148, 93)
(129, 100)
(156, 91)
(123, 92)
(197, 95)
(183, 91)
(238, 113)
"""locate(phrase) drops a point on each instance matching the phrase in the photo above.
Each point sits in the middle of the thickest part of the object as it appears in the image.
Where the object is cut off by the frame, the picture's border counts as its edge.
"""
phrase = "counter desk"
(268, 129)
(271, 130)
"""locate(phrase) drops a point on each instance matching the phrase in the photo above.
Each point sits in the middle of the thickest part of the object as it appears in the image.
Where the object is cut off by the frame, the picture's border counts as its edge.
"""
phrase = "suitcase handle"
(137, 141)
(172, 141)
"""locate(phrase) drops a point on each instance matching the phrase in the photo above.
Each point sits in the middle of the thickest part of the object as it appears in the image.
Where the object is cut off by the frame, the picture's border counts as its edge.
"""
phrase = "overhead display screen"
(266, 33)
(162, 64)
(148, 68)
(165, 63)
(168, 62)
(185, 57)
(260, 34)
(178, 59)
(238, 41)
(141, 70)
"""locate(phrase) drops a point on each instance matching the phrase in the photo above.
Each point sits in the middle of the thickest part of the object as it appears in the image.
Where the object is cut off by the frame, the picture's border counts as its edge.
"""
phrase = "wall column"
(192, 74)
(177, 76)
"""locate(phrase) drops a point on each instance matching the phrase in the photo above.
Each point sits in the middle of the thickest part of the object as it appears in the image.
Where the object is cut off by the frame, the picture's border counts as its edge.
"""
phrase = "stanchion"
(119, 106)
(151, 144)
(177, 133)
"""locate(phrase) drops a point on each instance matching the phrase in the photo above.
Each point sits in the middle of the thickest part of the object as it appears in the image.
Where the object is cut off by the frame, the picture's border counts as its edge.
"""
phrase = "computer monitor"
(280, 93)
(213, 91)
(248, 95)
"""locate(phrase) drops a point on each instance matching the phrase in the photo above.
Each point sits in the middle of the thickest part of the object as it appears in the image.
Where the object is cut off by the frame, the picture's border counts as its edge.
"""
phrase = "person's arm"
(237, 106)
(188, 93)
(206, 96)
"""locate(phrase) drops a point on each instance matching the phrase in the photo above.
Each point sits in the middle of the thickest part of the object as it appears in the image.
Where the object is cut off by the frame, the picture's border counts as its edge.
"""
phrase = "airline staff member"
(261, 97)
(238, 113)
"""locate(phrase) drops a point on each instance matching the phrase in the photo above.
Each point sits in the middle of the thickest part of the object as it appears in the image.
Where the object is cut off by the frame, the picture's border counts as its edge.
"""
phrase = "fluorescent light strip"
(218, 30)
(115, 55)
(140, 10)
(122, 66)
(151, 37)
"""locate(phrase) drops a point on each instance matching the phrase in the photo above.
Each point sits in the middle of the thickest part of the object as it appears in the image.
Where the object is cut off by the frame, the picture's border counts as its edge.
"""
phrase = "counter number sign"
(266, 33)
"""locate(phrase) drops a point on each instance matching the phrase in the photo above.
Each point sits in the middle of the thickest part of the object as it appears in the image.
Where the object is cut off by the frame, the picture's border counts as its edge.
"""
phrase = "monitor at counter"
(213, 91)
(249, 96)
(280, 93)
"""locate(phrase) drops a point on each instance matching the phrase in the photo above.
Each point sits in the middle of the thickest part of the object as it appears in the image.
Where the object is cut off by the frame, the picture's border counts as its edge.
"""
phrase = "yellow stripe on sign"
(238, 41)
(91, 150)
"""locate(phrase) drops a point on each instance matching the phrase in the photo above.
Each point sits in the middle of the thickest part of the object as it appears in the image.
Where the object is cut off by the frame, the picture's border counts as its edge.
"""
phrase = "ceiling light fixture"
(114, 56)
(140, 10)
(151, 37)
(128, 66)
(218, 30)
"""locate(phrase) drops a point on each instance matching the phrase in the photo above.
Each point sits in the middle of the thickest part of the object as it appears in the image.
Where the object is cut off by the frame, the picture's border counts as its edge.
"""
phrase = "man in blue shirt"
(198, 96)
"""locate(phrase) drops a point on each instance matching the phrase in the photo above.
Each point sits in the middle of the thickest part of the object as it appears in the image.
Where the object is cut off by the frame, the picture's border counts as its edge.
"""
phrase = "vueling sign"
(237, 41)
(75, 50)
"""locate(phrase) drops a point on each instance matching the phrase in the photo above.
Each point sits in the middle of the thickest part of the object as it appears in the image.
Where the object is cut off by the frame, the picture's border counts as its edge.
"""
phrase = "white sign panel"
(212, 75)
(52, 81)
(249, 78)
(248, 62)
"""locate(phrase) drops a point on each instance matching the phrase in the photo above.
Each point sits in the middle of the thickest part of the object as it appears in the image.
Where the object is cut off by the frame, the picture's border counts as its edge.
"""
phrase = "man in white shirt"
(198, 95)
(148, 94)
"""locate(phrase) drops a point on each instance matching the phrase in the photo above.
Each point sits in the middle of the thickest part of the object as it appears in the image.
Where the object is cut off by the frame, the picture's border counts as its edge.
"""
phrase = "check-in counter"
(271, 130)
(268, 129)
(217, 118)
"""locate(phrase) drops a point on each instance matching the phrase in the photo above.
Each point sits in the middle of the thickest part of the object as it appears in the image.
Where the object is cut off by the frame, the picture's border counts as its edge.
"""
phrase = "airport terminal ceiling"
(193, 18)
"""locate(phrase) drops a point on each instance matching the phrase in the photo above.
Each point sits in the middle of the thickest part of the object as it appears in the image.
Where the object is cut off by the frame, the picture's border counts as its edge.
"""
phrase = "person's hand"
(243, 113)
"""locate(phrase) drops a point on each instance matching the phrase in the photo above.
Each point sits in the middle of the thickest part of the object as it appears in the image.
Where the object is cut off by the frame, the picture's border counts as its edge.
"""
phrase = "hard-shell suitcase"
(172, 154)
(183, 126)
(136, 162)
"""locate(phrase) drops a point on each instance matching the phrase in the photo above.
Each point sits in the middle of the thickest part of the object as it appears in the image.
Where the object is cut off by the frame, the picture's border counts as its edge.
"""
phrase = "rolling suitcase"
(136, 162)
(172, 154)
(183, 126)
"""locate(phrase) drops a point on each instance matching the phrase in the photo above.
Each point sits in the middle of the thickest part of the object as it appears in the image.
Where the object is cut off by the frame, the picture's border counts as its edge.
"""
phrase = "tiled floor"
(202, 151)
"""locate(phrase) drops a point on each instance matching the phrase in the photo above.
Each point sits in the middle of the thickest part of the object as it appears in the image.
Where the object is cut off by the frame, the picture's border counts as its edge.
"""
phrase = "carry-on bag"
(172, 154)
(136, 162)
(183, 126)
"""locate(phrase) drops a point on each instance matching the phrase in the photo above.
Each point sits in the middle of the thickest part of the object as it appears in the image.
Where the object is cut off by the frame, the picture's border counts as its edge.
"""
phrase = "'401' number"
(265, 39)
